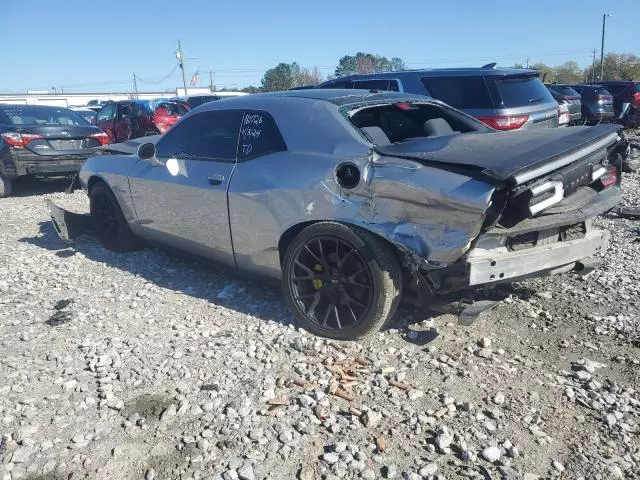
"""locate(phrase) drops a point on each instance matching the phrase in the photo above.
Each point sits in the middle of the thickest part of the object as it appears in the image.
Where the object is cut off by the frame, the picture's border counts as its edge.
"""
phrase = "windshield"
(520, 91)
(31, 115)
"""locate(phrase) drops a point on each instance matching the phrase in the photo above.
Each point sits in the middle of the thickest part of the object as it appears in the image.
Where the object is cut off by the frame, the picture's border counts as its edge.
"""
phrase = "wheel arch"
(120, 196)
(290, 233)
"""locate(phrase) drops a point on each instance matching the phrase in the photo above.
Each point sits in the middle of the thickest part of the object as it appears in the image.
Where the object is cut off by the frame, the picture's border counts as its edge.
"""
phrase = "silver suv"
(503, 98)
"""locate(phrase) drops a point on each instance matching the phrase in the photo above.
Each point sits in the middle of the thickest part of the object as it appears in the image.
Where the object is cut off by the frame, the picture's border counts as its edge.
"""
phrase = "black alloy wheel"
(341, 281)
(332, 283)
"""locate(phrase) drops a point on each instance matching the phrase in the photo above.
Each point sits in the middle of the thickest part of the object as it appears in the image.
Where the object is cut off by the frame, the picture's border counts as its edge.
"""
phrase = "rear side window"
(211, 135)
(259, 135)
(520, 91)
(339, 84)
(566, 91)
(459, 92)
(387, 85)
(616, 88)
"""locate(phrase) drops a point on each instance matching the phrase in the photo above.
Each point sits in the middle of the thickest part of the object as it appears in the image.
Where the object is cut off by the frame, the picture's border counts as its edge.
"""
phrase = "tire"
(341, 281)
(109, 222)
(5, 187)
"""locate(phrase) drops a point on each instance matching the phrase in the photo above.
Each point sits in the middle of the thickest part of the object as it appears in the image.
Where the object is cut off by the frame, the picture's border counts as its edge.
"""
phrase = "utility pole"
(593, 67)
(211, 80)
(180, 56)
(604, 22)
(527, 62)
(135, 85)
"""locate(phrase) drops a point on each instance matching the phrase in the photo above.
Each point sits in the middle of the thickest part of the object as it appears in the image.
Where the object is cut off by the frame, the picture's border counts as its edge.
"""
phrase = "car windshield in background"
(25, 115)
(88, 115)
(520, 91)
(175, 109)
(197, 101)
(566, 91)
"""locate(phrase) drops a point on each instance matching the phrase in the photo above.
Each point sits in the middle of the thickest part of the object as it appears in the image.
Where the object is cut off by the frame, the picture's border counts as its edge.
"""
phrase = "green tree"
(547, 74)
(397, 64)
(365, 63)
(277, 78)
(623, 66)
(518, 65)
(251, 89)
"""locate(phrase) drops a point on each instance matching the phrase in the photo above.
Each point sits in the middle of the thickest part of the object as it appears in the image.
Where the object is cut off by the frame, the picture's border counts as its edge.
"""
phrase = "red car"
(124, 120)
(168, 113)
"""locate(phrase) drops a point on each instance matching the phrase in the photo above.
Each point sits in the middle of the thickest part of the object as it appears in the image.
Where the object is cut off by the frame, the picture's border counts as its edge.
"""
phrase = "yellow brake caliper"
(317, 284)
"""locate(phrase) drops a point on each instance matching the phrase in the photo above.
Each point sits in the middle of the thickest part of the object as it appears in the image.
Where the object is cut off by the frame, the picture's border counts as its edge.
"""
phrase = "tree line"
(285, 76)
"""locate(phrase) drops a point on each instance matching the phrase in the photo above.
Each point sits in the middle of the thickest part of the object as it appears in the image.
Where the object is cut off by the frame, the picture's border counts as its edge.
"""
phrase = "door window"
(211, 135)
(259, 135)
(107, 113)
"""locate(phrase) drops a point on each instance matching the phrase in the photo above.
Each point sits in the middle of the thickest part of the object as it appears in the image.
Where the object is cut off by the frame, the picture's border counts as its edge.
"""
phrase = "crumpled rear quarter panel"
(433, 213)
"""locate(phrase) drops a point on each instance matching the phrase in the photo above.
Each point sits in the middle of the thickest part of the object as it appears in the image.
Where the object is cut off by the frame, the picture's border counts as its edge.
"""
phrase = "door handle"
(215, 179)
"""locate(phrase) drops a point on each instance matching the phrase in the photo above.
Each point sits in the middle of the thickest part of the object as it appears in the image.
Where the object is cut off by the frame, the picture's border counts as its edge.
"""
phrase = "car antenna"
(489, 66)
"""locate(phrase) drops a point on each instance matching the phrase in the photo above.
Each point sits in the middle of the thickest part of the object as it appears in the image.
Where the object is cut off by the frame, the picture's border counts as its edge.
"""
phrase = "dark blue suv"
(503, 98)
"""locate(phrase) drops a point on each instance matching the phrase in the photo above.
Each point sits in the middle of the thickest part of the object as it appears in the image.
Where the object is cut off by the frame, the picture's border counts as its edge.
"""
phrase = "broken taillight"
(19, 140)
(505, 122)
(610, 177)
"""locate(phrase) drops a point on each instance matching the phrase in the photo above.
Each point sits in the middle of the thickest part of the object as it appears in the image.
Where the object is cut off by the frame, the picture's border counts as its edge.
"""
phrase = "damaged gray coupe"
(353, 198)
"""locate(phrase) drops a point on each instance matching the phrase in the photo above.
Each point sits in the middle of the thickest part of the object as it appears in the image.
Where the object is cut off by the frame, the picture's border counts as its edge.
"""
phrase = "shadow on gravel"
(31, 187)
(240, 293)
(197, 277)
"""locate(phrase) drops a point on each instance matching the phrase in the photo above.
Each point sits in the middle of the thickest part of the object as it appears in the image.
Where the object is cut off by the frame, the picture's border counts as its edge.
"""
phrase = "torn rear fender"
(432, 213)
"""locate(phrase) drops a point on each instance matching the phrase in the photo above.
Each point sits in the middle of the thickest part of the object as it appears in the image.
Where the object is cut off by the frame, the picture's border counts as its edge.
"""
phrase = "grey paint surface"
(432, 213)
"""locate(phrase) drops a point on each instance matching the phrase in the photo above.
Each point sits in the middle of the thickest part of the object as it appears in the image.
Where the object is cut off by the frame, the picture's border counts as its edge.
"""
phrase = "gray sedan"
(350, 198)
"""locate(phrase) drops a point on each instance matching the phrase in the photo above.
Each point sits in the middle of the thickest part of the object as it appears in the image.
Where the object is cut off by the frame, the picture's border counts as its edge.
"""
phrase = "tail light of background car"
(505, 122)
(605, 98)
(102, 137)
(635, 99)
(19, 140)
(563, 115)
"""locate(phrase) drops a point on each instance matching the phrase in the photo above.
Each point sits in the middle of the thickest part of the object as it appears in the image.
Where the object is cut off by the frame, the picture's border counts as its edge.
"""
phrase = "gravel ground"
(146, 366)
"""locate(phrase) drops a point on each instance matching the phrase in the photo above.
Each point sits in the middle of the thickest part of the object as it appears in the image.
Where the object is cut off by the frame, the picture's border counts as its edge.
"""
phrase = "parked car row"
(502, 98)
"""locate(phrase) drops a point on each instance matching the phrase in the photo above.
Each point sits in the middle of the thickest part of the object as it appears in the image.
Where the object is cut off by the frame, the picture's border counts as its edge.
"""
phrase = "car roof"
(618, 81)
(444, 71)
(337, 96)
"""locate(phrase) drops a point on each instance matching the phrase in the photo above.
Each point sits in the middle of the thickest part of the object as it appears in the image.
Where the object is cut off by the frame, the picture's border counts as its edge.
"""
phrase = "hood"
(508, 157)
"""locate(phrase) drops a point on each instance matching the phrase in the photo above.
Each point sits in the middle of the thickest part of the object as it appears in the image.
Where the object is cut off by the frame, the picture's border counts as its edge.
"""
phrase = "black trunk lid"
(511, 157)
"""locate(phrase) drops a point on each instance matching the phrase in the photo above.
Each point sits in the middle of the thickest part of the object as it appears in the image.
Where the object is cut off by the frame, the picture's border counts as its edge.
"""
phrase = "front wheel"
(108, 220)
(341, 281)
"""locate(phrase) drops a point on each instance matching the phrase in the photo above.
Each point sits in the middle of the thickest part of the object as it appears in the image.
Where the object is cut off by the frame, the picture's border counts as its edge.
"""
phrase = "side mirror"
(147, 151)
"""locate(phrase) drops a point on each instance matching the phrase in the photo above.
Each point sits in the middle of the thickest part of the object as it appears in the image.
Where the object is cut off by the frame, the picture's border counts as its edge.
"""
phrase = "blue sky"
(85, 45)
